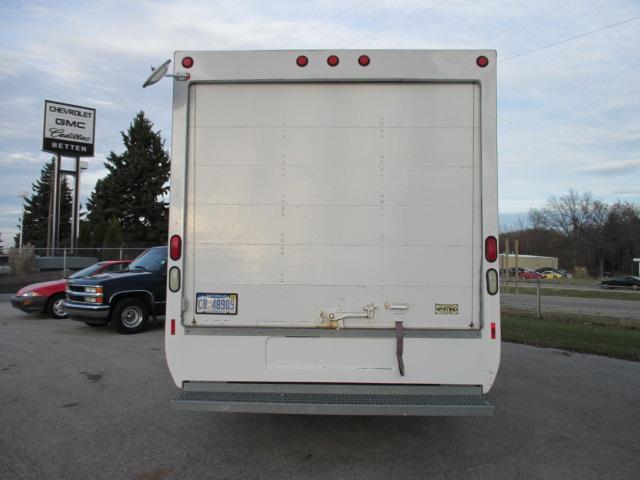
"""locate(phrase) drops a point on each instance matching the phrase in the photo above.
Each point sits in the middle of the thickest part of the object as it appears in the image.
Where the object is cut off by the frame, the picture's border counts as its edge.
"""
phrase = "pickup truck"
(127, 299)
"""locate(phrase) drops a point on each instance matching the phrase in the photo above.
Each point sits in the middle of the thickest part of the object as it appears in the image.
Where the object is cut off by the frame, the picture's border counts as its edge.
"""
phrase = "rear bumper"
(98, 314)
(334, 399)
(29, 304)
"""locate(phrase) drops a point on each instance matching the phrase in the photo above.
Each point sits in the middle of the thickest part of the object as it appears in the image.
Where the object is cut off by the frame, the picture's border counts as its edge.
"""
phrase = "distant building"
(532, 262)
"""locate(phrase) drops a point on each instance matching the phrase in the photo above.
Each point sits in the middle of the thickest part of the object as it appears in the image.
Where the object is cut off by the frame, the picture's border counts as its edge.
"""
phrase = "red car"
(47, 297)
(526, 274)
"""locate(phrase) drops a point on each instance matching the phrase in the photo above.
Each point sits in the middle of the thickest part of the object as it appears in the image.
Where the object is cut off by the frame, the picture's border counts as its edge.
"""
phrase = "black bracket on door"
(400, 346)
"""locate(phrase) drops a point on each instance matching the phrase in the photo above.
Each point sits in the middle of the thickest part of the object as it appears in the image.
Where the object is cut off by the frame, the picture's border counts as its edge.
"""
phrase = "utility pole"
(75, 219)
(54, 208)
(75, 223)
(23, 195)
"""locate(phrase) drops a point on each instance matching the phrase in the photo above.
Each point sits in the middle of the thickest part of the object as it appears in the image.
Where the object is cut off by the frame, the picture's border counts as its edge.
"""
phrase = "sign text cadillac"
(69, 130)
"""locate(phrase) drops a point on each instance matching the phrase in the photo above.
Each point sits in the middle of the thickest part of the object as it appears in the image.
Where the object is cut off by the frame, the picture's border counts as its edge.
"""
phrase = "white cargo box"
(329, 217)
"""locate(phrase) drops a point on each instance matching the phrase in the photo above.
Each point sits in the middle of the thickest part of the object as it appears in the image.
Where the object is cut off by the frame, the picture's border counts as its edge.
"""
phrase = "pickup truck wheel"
(131, 315)
(55, 308)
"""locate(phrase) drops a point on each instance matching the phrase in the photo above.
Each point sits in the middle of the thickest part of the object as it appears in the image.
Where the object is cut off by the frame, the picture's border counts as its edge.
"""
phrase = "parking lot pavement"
(82, 402)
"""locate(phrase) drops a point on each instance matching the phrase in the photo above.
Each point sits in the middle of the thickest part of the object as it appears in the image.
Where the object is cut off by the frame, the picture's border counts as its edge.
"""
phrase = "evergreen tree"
(134, 190)
(36, 210)
(112, 238)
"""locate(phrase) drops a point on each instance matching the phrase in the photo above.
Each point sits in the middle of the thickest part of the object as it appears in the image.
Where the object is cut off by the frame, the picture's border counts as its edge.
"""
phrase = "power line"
(313, 29)
(388, 27)
(628, 20)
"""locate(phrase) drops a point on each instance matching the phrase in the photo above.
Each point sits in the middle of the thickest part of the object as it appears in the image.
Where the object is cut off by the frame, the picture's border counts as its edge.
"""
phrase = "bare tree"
(622, 230)
(577, 218)
(595, 235)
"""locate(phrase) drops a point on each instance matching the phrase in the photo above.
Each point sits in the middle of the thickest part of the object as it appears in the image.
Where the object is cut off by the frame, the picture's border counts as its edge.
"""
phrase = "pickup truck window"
(153, 260)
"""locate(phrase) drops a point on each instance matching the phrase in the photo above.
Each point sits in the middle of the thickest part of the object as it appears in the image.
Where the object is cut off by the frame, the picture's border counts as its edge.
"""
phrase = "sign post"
(69, 130)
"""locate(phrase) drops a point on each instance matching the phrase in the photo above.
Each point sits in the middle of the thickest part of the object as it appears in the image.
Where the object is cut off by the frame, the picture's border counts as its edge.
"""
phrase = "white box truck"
(333, 225)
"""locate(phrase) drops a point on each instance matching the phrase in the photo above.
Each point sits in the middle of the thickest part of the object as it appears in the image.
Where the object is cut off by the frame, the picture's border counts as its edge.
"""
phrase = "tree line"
(128, 207)
(582, 232)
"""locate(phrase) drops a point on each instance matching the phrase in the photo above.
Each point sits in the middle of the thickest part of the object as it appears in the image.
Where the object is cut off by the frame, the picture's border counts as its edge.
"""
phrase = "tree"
(571, 216)
(112, 238)
(134, 190)
(36, 210)
(622, 230)
(595, 236)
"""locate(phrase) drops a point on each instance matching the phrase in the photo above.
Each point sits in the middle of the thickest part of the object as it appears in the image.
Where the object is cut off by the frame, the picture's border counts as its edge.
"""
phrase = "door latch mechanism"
(335, 319)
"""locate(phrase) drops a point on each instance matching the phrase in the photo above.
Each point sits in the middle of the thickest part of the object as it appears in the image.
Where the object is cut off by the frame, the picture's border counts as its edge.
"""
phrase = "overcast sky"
(568, 116)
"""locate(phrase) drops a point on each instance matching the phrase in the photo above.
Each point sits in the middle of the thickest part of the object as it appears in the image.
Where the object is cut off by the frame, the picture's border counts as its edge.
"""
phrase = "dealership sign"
(69, 130)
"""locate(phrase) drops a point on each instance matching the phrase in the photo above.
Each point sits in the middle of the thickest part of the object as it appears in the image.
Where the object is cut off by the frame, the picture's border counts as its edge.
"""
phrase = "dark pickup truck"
(127, 299)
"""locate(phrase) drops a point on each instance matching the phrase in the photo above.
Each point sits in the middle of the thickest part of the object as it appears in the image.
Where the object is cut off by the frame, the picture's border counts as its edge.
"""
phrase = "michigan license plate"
(217, 303)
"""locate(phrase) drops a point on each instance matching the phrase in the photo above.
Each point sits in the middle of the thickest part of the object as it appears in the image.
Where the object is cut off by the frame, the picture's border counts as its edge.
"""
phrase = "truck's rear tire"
(131, 315)
(55, 309)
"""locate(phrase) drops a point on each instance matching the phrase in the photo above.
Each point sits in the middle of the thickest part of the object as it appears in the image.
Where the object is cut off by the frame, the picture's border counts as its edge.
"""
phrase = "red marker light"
(491, 249)
(333, 60)
(187, 62)
(493, 330)
(364, 60)
(482, 61)
(302, 61)
(175, 247)
(173, 326)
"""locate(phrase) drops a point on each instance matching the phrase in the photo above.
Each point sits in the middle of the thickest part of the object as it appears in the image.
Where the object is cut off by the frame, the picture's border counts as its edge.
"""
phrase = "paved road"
(591, 306)
(592, 287)
(81, 402)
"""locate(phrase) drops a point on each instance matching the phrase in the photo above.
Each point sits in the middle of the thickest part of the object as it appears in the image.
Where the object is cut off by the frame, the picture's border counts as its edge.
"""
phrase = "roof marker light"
(364, 60)
(482, 61)
(187, 62)
(302, 61)
(333, 60)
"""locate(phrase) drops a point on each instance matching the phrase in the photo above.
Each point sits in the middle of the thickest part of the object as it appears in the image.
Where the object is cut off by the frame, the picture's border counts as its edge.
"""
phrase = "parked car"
(523, 273)
(527, 274)
(564, 273)
(47, 297)
(622, 281)
(548, 272)
(127, 299)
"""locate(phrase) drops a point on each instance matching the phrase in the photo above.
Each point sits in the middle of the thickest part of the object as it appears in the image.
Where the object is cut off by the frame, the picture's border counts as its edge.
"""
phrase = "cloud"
(612, 167)
(14, 158)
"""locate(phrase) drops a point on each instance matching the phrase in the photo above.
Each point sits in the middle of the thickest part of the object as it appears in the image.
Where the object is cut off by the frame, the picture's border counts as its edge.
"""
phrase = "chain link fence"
(27, 265)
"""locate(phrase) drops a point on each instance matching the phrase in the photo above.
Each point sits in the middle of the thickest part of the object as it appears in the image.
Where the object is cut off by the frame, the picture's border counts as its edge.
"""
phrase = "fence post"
(64, 262)
(538, 295)
(120, 252)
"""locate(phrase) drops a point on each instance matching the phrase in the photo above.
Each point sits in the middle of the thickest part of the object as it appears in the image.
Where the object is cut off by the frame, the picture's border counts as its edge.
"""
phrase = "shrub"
(22, 262)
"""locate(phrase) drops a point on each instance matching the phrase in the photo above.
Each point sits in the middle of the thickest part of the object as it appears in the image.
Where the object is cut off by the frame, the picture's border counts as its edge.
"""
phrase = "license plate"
(217, 303)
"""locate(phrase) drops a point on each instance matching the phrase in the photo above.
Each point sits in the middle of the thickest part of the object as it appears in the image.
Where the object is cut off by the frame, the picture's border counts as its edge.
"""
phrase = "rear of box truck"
(333, 231)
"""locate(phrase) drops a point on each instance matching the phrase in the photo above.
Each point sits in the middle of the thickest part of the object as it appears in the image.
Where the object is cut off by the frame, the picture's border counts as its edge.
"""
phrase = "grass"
(570, 292)
(607, 340)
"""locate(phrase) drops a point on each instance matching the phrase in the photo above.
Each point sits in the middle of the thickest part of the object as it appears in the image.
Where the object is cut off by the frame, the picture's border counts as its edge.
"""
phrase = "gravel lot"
(81, 402)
